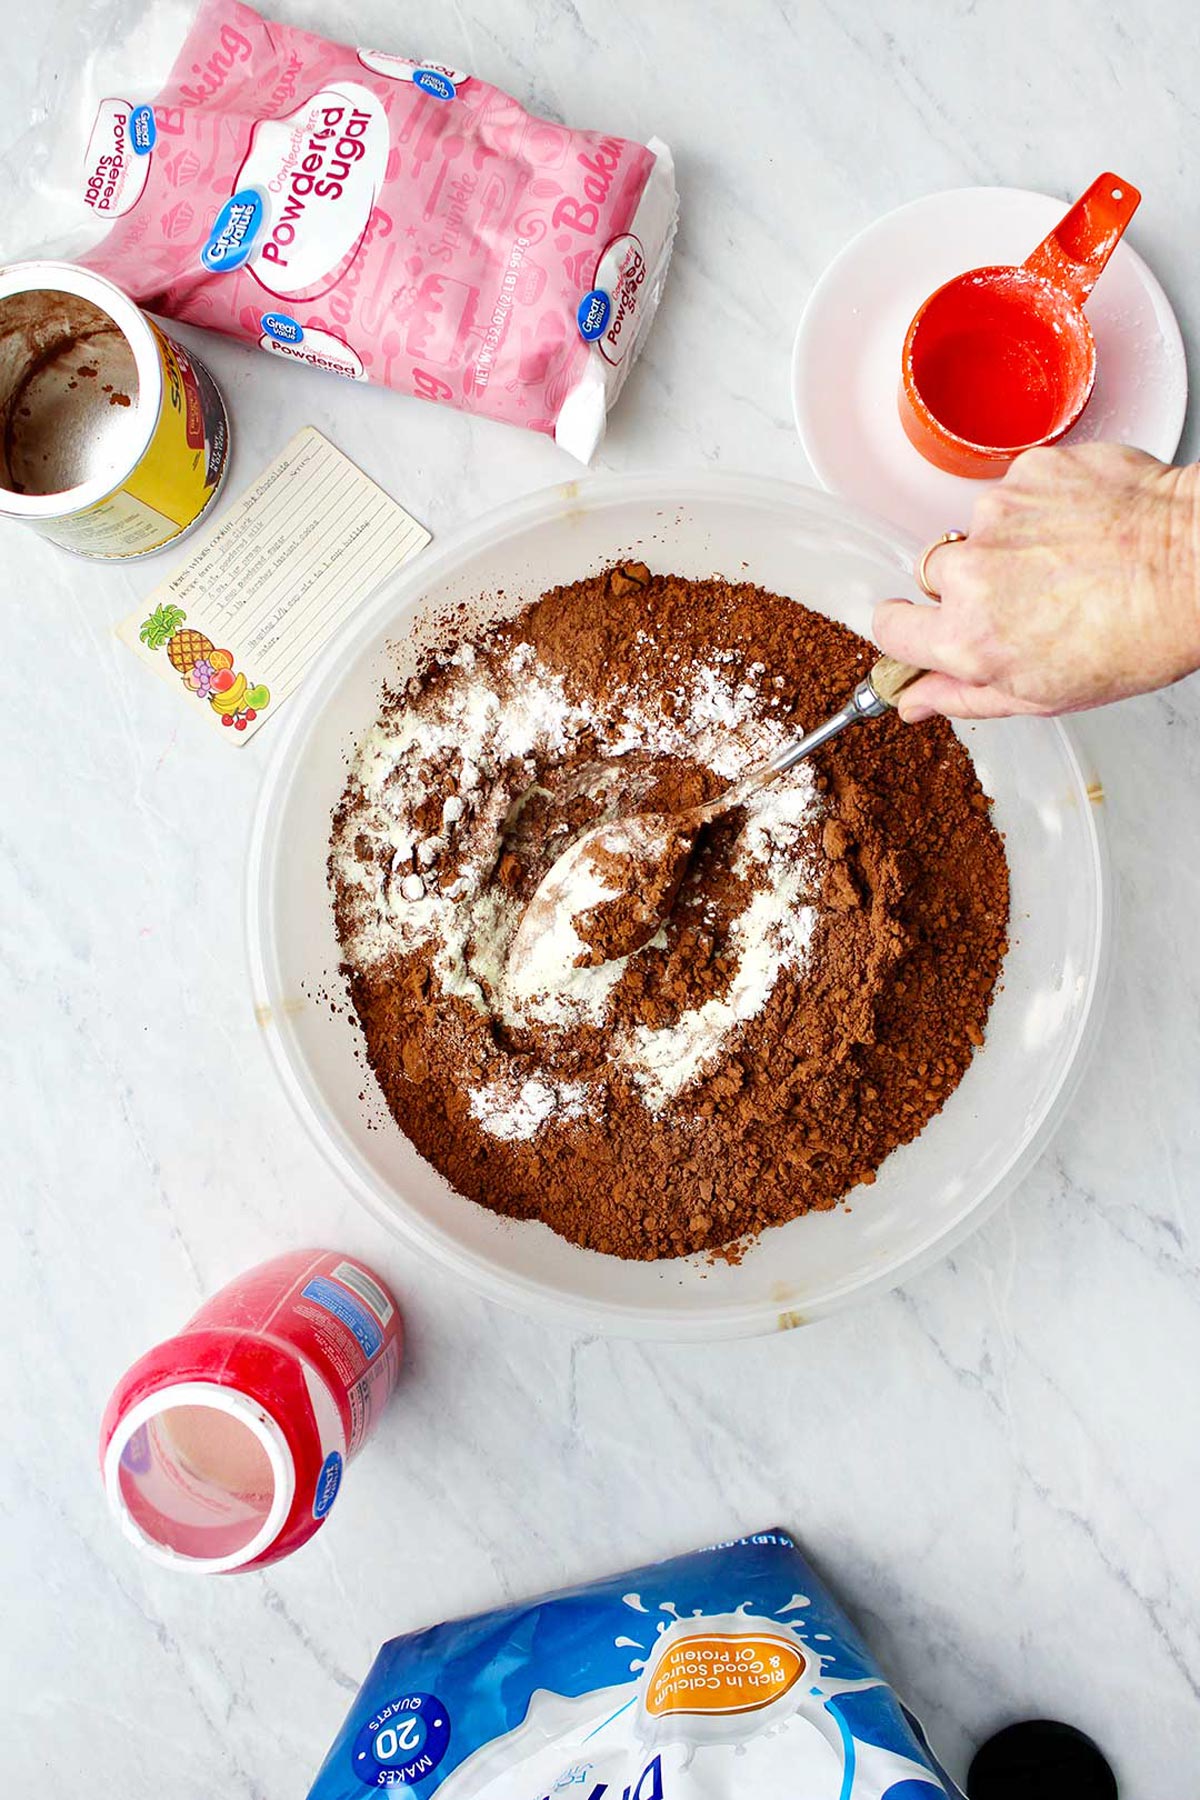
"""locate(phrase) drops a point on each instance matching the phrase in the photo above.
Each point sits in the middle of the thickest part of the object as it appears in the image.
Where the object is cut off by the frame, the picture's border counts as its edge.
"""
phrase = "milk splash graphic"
(711, 1687)
(726, 1674)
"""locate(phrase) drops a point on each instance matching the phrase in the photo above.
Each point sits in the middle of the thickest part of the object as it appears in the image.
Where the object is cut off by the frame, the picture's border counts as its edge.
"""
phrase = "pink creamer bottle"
(223, 1448)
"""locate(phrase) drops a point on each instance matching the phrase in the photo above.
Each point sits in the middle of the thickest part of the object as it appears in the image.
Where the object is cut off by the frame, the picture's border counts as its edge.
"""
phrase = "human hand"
(1079, 583)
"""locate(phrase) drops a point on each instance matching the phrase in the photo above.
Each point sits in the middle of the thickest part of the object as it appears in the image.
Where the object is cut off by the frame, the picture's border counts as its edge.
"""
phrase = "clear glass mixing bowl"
(930, 1193)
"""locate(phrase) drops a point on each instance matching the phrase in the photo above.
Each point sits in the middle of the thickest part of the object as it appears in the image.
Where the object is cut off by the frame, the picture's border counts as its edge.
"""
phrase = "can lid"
(200, 1477)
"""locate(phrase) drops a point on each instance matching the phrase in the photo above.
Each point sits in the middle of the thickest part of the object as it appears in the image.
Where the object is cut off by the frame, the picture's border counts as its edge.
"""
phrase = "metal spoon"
(653, 849)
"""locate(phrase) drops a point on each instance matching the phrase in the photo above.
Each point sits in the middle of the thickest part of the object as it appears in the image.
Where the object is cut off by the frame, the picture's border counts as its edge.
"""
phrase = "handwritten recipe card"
(238, 623)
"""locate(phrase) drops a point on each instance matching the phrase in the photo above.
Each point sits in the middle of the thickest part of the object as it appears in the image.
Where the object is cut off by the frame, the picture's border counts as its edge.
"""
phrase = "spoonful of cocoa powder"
(609, 893)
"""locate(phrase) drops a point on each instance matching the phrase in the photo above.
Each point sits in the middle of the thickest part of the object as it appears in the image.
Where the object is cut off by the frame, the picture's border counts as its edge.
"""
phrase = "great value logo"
(593, 314)
(283, 329)
(434, 83)
(328, 1483)
(143, 132)
(234, 230)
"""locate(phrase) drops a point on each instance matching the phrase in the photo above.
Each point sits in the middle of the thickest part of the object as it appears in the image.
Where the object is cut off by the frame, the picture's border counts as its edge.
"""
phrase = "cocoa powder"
(645, 880)
(864, 1033)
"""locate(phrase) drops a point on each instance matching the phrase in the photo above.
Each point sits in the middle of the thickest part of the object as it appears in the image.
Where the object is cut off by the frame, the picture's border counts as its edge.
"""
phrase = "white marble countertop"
(996, 1467)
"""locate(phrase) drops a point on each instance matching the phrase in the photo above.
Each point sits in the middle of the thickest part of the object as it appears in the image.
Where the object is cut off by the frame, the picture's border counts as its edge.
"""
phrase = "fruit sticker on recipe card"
(237, 624)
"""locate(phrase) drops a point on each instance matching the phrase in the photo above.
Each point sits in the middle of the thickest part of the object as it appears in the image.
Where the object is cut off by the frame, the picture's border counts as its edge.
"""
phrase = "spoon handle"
(876, 694)
(889, 679)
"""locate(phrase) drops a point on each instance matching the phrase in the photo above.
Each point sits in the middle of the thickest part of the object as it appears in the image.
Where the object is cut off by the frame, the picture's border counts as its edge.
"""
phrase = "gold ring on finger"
(947, 537)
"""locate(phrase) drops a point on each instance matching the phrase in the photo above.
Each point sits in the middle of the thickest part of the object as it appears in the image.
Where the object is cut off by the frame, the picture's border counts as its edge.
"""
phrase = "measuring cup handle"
(1076, 251)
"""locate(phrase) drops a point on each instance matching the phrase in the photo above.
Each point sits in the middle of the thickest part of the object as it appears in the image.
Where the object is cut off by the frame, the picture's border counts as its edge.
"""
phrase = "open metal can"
(113, 437)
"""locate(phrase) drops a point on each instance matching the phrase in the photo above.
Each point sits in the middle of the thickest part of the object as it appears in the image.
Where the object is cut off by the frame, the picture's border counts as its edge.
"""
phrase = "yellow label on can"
(174, 477)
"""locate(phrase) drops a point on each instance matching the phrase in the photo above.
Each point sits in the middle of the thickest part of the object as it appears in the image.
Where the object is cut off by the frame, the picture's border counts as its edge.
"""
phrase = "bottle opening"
(200, 1477)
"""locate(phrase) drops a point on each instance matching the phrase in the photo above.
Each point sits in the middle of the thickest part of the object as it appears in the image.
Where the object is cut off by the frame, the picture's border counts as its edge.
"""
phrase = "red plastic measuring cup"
(1002, 359)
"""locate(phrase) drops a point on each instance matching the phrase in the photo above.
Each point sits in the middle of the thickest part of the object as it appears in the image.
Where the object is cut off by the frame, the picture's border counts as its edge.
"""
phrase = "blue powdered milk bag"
(723, 1675)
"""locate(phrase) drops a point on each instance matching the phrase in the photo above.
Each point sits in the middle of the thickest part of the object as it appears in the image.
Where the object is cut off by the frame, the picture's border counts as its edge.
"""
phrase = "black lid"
(1040, 1759)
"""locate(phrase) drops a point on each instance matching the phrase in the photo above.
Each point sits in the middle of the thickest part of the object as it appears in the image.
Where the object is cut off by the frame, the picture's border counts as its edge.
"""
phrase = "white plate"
(846, 361)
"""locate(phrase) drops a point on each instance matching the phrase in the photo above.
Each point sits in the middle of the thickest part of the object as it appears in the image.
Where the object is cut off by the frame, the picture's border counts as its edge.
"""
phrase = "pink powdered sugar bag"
(389, 220)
